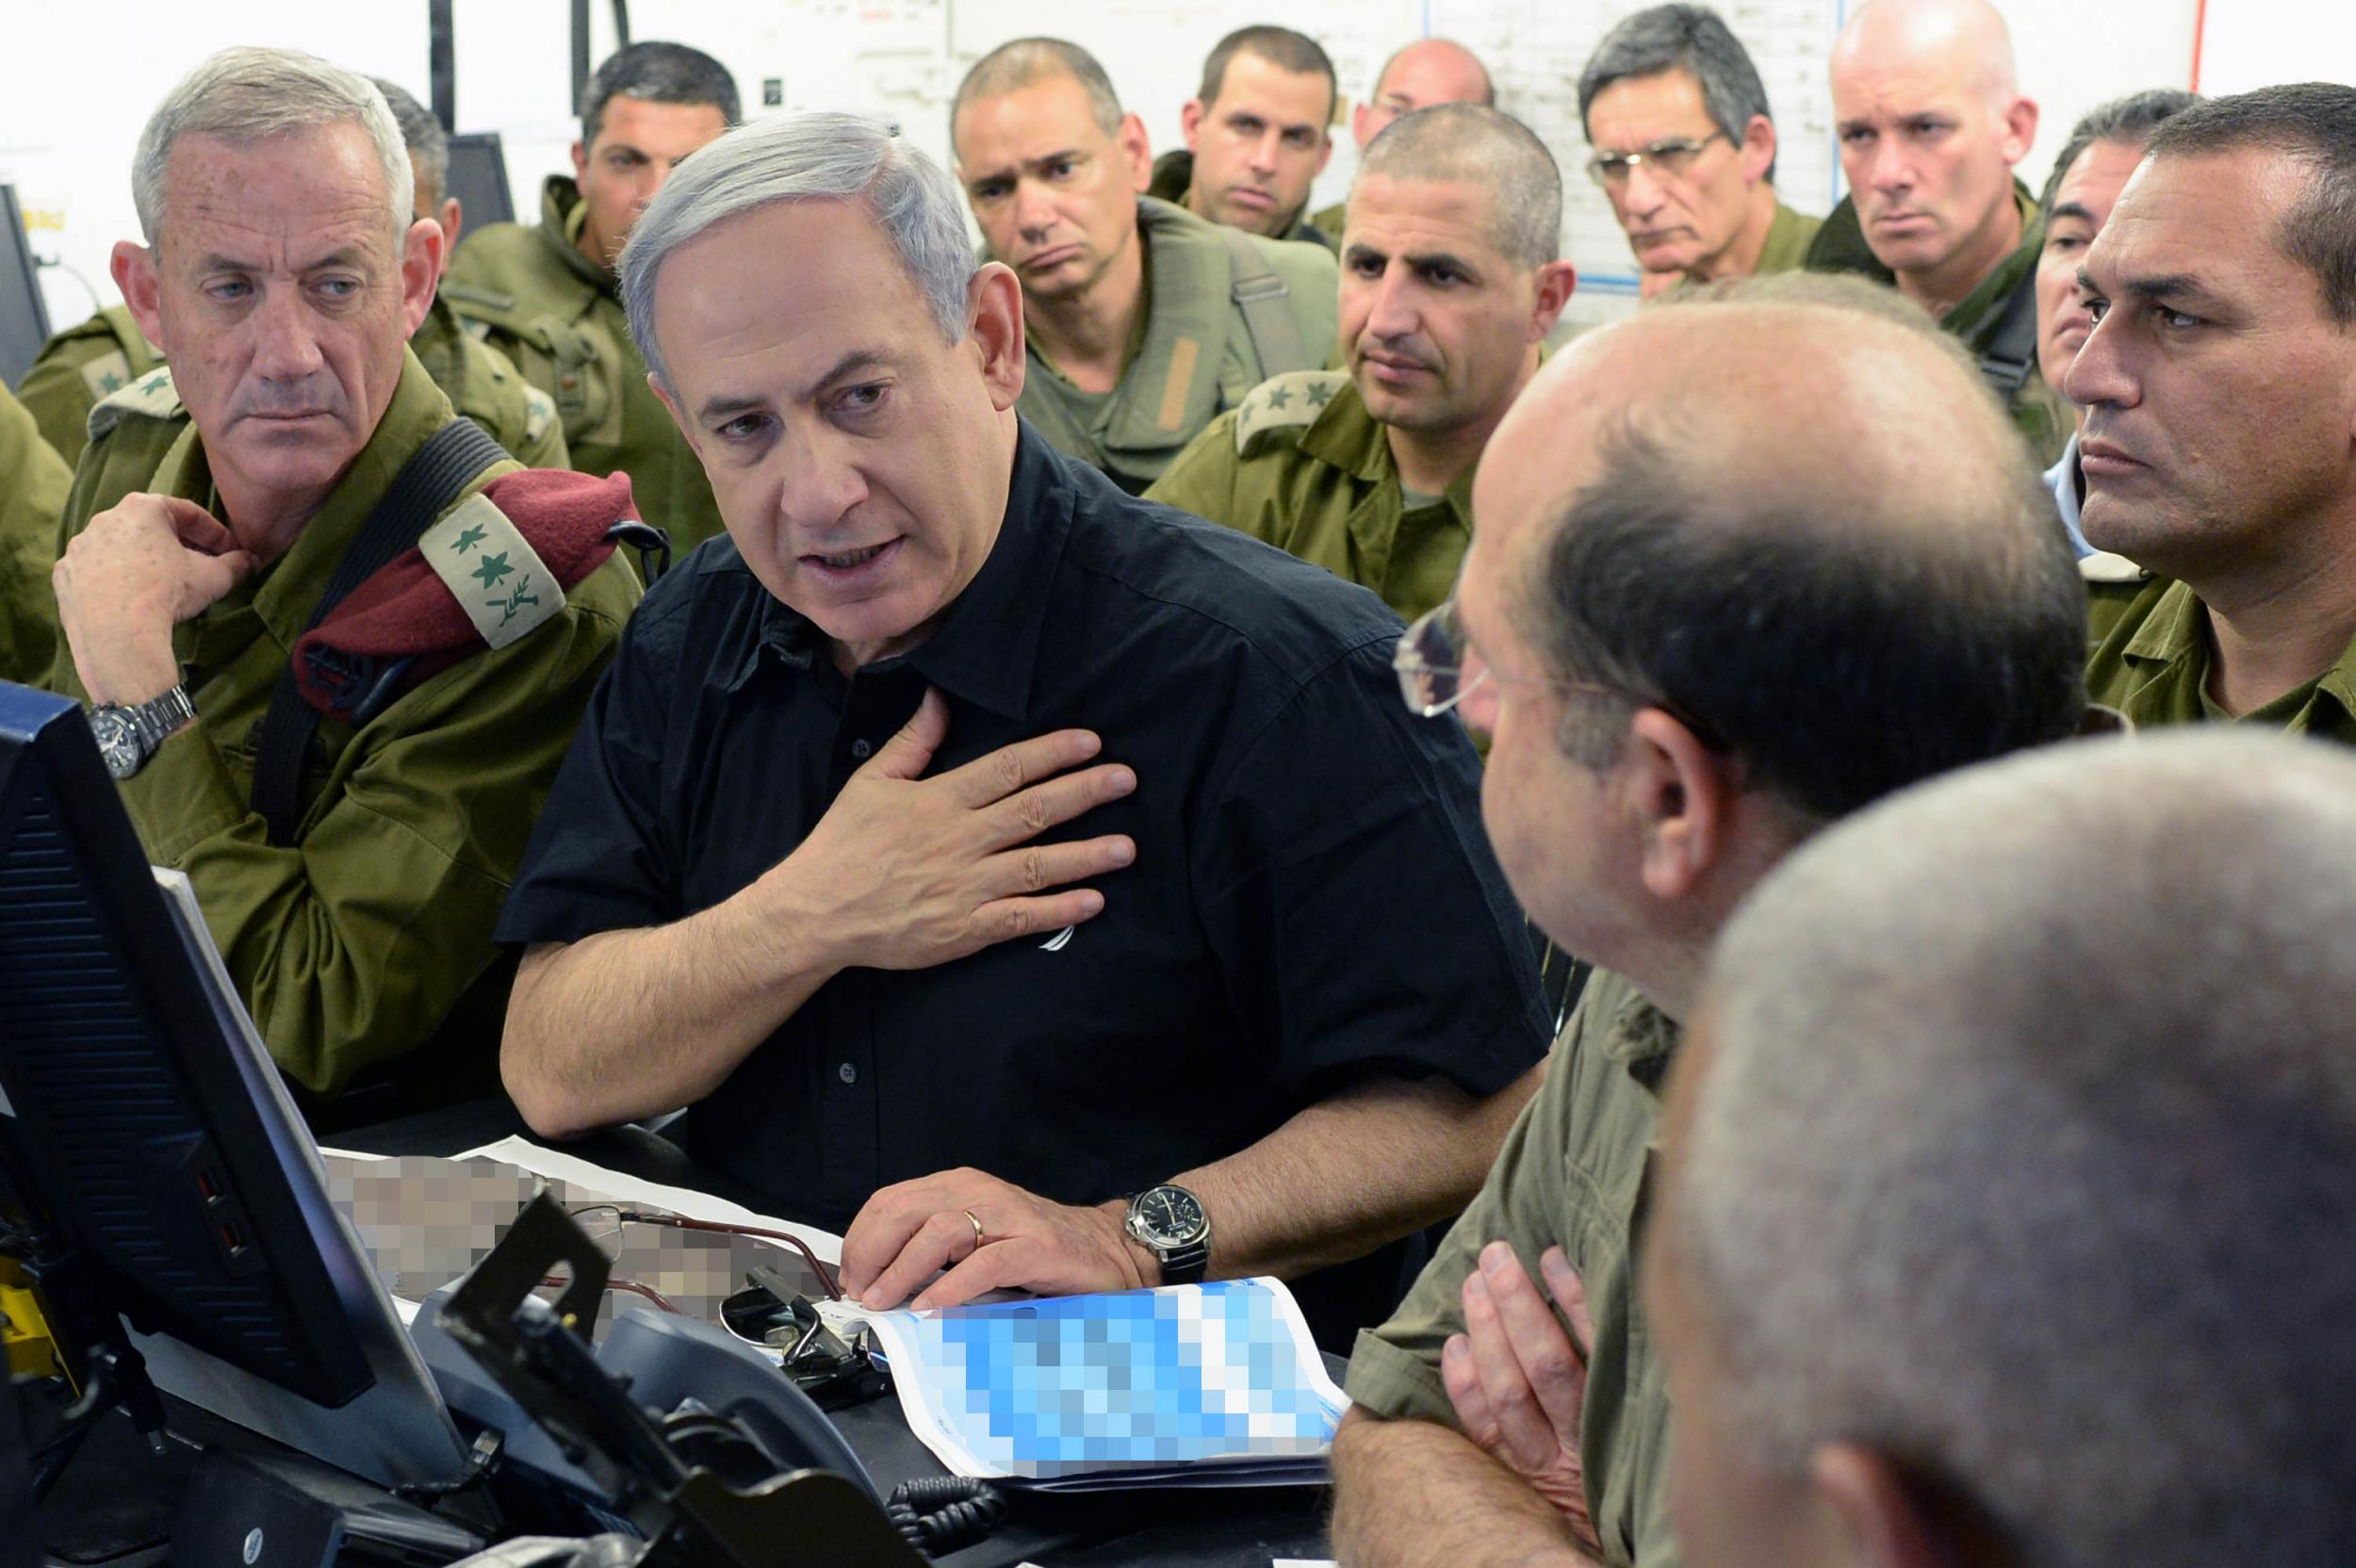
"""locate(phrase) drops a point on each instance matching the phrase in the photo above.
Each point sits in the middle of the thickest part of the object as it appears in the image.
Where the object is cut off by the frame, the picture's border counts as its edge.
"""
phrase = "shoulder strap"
(426, 486)
(1260, 294)
(2012, 353)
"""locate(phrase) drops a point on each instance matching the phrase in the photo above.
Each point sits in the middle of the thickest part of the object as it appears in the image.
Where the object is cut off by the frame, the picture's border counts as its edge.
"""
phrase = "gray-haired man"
(1127, 800)
(2011, 1172)
(1685, 150)
(351, 839)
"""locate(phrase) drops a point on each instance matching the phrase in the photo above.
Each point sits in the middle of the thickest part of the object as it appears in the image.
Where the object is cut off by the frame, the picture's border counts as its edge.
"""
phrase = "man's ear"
(1190, 122)
(452, 217)
(993, 305)
(2020, 121)
(133, 267)
(421, 260)
(1325, 154)
(1684, 796)
(1359, 115)
(1554, 284)
(1138, 149)
(581, 163)
(1884, 1519)
(1757, 149)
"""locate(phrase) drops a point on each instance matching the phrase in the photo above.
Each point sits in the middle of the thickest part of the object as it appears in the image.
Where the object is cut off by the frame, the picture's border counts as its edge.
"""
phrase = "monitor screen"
(145, 1119)
(23, 317)
(478, 177)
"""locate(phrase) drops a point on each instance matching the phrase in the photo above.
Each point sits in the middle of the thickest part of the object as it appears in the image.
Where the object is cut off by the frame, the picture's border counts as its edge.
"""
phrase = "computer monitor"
(145, 1119)
(478, 177)
(23, 316)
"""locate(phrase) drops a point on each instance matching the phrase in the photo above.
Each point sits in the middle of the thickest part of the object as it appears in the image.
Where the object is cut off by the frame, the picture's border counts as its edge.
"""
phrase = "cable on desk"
(942, 1513)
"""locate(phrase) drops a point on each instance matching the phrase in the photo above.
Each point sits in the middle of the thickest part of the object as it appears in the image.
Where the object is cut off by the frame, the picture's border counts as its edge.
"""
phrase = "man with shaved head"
(1142, 322)
(2219, 446)
(1931, 121)
(1995, 1234)
(1690, 525)
(1450, 281)
(1429, 72)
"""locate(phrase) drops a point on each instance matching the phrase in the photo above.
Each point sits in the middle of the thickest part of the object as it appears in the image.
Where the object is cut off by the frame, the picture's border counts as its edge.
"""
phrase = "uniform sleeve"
(607, 854)
(1202, 478)
(1345, 882)
(1395, 1369)
(34, 482)
(352, 946)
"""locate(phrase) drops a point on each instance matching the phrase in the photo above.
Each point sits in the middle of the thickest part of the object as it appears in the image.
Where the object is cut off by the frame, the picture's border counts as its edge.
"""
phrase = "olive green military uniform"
(107, 353)
(1303, 466)
(33, 484)
(2153, 657)
(557, 315)
(355, 944)
(79, 365)
(1192, 357)
(1578, 1171)
(1332, 222)
(1788, 240)
(2043, 417)
(1173, 176)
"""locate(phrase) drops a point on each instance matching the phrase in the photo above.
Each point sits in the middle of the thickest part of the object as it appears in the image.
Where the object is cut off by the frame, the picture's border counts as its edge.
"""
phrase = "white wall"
(84, 77)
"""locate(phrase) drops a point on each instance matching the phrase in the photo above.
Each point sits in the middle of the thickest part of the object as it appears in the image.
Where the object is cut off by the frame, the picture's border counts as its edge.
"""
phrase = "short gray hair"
(245, 95)
(1015, 65)
(428, 144)
(2026, 1152)
(1693, 38)
(802, 157)
(1480, 146)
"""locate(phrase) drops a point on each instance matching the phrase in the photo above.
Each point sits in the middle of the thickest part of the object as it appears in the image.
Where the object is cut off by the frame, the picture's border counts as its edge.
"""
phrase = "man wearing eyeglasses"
(1450, 281)
(1931, 120)
(1685, 150)
(1701, 618)
(1429, 72)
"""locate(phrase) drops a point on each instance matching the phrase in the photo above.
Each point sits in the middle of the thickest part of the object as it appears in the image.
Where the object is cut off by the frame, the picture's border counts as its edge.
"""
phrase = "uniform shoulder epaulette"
(1289, 401)
(151, 396)
(2103, 566)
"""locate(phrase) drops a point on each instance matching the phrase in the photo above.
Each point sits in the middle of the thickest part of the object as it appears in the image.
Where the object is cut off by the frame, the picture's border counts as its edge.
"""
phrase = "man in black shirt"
(973, 847)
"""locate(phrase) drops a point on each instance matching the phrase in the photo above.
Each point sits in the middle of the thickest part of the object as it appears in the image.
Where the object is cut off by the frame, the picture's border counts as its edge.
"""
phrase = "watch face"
(1169, 1217)
(117, 741)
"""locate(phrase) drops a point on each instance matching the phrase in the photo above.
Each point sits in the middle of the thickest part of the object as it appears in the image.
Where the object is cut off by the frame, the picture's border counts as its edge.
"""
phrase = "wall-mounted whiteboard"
(2248, 44)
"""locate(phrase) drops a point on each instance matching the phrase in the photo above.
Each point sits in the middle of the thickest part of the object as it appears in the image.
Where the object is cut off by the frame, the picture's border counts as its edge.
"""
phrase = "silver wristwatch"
(127, 737)
(1169, 1222)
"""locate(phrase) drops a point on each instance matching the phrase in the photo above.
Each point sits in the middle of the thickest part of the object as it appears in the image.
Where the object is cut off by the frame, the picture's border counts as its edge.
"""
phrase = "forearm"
(631, 1023)
(1413, 1493)
(1351, 1173)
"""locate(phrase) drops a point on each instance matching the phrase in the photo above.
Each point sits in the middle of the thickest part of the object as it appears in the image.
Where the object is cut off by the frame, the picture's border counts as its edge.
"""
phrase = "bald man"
(1931, 121)
(1685, 523)
(1974, 1253)
(1426, 73)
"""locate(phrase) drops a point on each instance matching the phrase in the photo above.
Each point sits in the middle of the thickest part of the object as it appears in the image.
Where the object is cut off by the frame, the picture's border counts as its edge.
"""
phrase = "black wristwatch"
(127, 737)
(1169, 1222)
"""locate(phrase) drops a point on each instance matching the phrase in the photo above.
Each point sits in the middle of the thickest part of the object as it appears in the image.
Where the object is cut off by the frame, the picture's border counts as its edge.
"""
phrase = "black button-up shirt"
(1313, 903)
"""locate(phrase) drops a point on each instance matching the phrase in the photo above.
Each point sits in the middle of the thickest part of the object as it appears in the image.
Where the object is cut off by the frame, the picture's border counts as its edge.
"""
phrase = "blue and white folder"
(1216, 1384)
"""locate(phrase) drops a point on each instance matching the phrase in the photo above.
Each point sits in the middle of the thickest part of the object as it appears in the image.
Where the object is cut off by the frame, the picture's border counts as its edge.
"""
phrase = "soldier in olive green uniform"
(1576, 1172)
(1258, 133)
(555, 314)
(357, 943)
(76, 368)
(33, 485)
(1173, 176)
(1196, 349)
(545, 295)
(198, 550)
(1366, 473)
(1980, 319)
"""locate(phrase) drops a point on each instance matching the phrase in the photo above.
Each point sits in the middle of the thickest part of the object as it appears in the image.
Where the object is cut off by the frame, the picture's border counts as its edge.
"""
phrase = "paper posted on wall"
(1216, 1384)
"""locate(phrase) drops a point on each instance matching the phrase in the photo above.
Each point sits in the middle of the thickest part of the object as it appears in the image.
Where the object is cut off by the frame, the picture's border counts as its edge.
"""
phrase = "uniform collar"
(2176, 635)
(1637, 1035)
(986, 650)
(1349, 437)
(562, 215)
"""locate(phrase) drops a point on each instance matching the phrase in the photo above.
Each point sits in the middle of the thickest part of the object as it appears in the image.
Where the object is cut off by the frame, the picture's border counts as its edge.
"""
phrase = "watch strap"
(154, 720)
(1185, 1265)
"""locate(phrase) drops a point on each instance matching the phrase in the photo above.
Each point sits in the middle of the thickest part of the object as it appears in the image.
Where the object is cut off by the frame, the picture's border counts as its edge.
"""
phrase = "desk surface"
(1237, 1527)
